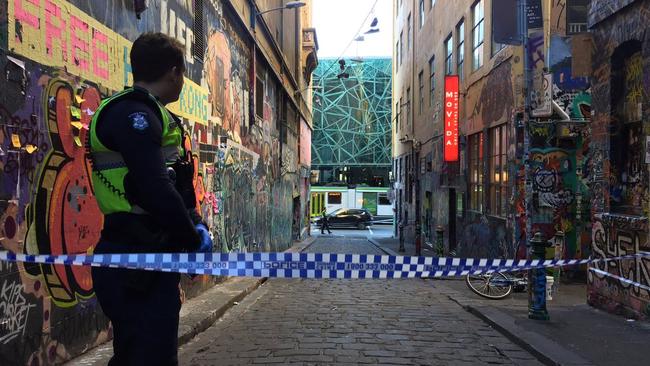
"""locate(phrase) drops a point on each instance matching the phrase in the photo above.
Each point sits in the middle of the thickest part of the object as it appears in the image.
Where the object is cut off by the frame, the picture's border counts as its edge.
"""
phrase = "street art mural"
(615, 236)
(559, 199)
(72, 219)
(60, 59)
(620, 197)
(48, 207)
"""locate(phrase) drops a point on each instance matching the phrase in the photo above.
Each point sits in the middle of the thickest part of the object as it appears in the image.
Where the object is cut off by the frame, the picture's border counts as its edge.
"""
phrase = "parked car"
(349, 217)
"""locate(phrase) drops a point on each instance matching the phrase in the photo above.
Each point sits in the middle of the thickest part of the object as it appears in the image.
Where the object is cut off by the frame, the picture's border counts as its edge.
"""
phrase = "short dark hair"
(154, 54)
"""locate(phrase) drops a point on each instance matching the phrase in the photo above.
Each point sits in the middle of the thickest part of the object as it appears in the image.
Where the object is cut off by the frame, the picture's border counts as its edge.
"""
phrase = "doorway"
(453, 202)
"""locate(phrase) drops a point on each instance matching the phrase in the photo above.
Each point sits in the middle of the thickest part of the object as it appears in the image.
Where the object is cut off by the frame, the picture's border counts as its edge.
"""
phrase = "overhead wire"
(356, 34)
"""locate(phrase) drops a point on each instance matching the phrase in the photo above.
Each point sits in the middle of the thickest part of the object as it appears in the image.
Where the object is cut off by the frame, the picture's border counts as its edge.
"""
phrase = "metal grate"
(198, 46)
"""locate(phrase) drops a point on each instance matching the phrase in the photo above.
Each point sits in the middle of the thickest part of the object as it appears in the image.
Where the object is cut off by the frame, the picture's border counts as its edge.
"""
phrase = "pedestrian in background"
(325, 224)
(142, 180)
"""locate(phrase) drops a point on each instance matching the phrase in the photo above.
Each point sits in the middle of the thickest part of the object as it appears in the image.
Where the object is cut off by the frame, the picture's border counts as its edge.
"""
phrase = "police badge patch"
(139, 121)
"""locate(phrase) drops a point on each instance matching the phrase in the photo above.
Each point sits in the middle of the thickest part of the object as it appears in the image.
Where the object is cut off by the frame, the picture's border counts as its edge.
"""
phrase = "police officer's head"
(158, 63)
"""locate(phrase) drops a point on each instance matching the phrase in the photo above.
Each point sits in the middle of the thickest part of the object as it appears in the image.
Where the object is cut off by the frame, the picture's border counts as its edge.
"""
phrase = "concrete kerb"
(393, 253)
(380, 247)
(199, 313)
(544, 349)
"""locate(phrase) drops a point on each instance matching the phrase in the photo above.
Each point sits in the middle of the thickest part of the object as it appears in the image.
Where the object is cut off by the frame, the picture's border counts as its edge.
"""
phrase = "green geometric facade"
(352, 116)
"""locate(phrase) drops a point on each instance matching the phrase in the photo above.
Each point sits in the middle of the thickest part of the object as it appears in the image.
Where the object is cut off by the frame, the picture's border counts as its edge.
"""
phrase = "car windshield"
(340, 211)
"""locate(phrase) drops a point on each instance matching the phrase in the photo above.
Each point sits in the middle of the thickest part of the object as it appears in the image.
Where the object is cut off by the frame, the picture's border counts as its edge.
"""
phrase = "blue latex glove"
(206, 240)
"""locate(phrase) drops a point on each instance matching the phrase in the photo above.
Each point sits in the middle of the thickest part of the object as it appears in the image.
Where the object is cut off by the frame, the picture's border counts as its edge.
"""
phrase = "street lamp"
(289, 5)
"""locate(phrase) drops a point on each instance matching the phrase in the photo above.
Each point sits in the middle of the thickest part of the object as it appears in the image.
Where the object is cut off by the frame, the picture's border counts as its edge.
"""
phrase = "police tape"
(302, 265)
(626, 281)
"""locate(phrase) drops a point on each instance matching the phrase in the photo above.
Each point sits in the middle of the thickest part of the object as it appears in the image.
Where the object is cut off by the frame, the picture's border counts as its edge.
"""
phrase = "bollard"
(537, 280)
(559, 252)
(440, 244)
(401, 238)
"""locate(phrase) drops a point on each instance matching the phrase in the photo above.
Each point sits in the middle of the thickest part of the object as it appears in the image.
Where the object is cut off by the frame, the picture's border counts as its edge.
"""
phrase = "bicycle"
(497, 285)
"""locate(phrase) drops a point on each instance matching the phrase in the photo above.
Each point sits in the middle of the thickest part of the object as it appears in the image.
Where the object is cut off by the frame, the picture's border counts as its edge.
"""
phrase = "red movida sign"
(451, 118)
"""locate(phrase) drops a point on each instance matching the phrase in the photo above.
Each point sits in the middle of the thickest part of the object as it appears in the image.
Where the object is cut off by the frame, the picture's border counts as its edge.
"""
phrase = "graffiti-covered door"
(560, 198)
(452, 219)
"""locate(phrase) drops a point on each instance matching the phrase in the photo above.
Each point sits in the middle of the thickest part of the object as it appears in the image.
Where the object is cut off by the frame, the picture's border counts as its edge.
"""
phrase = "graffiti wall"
(559, 153)
(490, 103)
(60, 59)
(551, 193)
(619, 178)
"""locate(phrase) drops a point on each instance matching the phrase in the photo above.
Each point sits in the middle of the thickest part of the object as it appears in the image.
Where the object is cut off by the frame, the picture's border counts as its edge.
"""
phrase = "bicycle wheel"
(492, 286)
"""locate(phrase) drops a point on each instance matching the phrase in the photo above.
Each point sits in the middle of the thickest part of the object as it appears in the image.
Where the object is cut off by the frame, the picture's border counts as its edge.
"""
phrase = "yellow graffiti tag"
(57, 34)
(192, 103)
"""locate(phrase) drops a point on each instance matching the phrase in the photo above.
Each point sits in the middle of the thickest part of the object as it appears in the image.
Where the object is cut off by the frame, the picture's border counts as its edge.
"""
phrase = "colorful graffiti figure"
(64, 216)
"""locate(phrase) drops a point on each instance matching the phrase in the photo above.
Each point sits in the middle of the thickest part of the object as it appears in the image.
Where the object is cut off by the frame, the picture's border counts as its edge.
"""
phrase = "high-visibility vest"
(108, 167)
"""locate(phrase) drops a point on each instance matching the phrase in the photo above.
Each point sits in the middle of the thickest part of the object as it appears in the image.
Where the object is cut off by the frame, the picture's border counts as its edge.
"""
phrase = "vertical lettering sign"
(451, 118)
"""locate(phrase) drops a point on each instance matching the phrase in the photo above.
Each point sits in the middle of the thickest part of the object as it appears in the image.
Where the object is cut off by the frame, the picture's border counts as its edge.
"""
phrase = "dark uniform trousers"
(143, 307)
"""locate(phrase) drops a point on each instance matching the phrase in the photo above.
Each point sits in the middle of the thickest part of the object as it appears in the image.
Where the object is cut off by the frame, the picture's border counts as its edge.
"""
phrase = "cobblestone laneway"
(347, 322)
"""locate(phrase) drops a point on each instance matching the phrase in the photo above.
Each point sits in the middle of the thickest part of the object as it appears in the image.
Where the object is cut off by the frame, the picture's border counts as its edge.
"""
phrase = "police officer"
(142, 180)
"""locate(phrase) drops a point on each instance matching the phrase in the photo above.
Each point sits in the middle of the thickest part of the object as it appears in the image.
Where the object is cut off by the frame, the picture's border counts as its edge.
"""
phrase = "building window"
(460, 49)
(399, 113)
(496, 47)
(433, 2)
(397, 55)
(401, 42)
(383, 199)
(498, 171)
(421, 87)
(333, 198)
(449, 51)
(576, 16)
(396, 118)
(432, 80)
(408, 33)
(627, 173)
(408, 105)
(421, 13)
(475, 146)
(477, 35)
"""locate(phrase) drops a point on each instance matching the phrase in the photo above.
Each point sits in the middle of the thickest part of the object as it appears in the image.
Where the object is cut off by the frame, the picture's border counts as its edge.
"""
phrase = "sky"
(337, 23)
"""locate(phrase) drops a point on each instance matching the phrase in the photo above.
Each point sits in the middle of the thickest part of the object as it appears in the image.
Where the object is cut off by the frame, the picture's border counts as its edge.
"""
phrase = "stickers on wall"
(30, 148)
(15, 140)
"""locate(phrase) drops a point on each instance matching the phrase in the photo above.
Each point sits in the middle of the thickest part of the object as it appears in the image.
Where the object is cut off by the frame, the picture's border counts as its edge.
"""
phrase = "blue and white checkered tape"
(301, 265)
